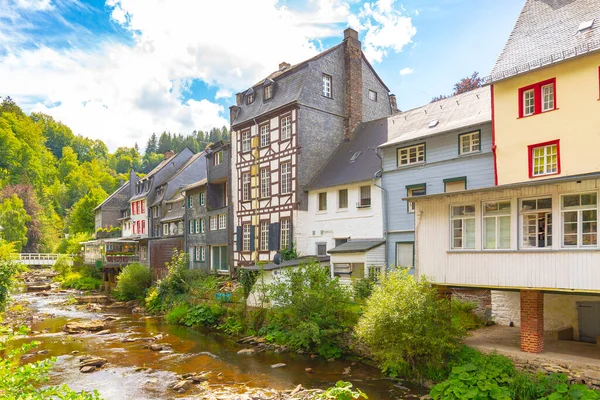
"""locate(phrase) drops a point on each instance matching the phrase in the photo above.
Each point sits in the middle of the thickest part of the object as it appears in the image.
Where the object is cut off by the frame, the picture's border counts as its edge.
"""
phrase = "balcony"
(121, 259)
(111, 233)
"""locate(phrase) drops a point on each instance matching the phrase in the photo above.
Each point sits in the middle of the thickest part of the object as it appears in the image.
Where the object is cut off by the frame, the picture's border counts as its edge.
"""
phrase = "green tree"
(151, 146)
(407, 325)
(82, 214)
(14, 220)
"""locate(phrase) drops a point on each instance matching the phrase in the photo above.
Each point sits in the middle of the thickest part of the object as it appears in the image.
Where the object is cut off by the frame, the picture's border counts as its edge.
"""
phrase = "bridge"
(39, 259)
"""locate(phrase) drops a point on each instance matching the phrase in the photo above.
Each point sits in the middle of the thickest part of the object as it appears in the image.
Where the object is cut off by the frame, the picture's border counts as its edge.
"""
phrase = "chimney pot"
(350, 33)
(393, 104)
(283, 66)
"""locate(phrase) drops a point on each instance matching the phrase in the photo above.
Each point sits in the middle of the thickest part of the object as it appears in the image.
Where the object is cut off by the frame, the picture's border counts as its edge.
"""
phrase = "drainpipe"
(378, 175)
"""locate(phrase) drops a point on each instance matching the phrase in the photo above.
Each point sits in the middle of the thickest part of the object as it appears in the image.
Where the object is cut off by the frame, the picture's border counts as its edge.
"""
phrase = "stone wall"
(480, 297)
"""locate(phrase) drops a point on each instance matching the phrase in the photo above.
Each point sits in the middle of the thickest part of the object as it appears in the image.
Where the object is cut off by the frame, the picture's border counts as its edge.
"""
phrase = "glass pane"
(470, 233)
(504, 232)
(469, 210)
(457, 211)
(489, 233)
(490, 208)
(570, 228)
(588, 227)
(589, 199)
(570, 216)
(570, 240)
(544, 203)
(571, 200)
(529, 205)
(588, 215)
(589, 239)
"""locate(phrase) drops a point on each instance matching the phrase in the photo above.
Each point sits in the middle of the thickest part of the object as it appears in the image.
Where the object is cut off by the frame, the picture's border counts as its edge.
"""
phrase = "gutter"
(379, 175)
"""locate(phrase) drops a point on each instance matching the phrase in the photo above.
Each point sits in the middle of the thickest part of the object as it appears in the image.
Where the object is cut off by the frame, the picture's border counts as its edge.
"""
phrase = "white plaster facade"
(353, 222)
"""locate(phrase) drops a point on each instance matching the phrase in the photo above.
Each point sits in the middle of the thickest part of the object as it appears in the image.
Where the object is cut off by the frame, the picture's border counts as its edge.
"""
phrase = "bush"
(407, 326)
(63, 266)
(26, 380)
(362, 288)
(74, 280)
(342, 391)
(310, 310)
(177, 314)
(463, 315)
(204, 314)
(133, 282)
(8, 269)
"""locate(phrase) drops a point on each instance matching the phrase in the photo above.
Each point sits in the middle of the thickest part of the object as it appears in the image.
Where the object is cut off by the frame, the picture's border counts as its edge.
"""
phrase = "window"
(143, 227)
(246, 237)
(323, 201)
(213, 219)
(268, 91)
(265, 135)
(286, 178)
(264, 235)
(285, 233)
(222, 221)
(218, 157)
(462, 220)
(246, 142)
(143, 206)
(469, 143)
(202, 198)
(340, 241)
(265, 183)
(343, 198)
(536, 223)
(199, 253)
(327, 86)
(165, 229)
(286, 127)
(411, 155)
(365, 196)
(219, 258)
(155, 212)
(412, 191)
(250, 98)
(321, 249)
(197, 226)
(496, 225)
(190, 201)
(405, 254)
(580, 220)
(191, 226)
(537, 98)
(544, 159)
(202, 225)
(455, 184)
(246, 186)
(372, 95)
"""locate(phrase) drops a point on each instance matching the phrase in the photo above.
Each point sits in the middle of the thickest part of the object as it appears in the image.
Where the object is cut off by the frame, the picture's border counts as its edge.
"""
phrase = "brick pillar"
(354, 86)
(532, 321)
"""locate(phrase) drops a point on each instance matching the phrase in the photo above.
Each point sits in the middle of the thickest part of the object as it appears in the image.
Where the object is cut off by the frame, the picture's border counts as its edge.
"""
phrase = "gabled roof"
(354, 160)
(547, 32)
(124, 186)
(287, 264)
(357, 246)
(456, 112)
(196, 185)
(191, 171)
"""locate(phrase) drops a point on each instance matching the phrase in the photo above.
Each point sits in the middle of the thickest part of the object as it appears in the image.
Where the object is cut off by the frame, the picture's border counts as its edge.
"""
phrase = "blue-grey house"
(444, 146)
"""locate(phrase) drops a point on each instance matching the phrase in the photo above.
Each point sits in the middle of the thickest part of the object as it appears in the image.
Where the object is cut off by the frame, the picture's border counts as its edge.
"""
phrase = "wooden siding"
(442, 162)
(375, 258)
(552, 268)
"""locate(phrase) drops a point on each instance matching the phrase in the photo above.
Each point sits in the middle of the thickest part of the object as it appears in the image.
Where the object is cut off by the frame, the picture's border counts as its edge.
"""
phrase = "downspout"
(379, 175)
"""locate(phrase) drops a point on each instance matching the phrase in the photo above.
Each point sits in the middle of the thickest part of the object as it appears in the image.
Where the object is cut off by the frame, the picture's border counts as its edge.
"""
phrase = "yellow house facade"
(547, 121)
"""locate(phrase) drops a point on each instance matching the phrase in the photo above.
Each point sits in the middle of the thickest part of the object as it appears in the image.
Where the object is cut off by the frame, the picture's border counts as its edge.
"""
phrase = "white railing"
(39, 258)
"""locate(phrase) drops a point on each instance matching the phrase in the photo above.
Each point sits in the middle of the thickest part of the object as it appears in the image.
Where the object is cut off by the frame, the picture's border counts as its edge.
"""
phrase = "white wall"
(353, 222)
(560, 310)
(551, 268)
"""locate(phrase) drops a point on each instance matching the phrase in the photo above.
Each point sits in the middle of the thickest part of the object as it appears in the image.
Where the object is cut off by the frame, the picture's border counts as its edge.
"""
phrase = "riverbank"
(204, 364)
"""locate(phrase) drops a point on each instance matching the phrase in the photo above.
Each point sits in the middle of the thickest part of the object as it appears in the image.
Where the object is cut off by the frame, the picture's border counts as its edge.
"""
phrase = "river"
(135, 372)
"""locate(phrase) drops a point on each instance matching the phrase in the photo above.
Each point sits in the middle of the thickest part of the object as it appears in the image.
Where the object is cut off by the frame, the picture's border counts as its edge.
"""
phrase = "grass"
(75, 280)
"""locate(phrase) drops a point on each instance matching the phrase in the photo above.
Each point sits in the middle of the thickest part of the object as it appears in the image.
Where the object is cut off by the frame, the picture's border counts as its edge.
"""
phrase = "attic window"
(585, 25)
(250, 96)
(434, 123)
(268, 91)
(354, 156)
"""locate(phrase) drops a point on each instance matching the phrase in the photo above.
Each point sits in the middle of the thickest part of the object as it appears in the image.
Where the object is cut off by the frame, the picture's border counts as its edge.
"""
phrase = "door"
(589, 320)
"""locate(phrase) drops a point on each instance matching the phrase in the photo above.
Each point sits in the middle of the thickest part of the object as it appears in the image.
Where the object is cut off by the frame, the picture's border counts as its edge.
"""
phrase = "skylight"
(434, 123)
(355, 156)
(585, 25)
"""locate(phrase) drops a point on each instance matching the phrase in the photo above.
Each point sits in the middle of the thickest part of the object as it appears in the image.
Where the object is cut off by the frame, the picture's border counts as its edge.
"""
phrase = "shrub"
(132, 282)
(204, 314)
(310, 310)
(362, 288)
(407, 326)
(177, 314)
(63, 266)
(232, 326)
(74, 280)
(342, 391)
(463, 315)
(8, 269)
(26, 380)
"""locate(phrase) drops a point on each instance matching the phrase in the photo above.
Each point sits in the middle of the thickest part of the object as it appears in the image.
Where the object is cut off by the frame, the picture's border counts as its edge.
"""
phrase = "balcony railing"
(108, 235)
(121, 259)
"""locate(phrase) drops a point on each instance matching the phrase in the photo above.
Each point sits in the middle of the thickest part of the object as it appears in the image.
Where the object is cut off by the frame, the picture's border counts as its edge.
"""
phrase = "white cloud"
(406, 71)
(34, 5)
(122, 93)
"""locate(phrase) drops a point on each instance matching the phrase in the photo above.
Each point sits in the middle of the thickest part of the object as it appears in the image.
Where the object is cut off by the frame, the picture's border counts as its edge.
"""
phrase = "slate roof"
(115, 193)
(460, 111)
(357, 246)
(191, 171)
(195, 185)
(340, 171)
(546, 32)
(287, 264)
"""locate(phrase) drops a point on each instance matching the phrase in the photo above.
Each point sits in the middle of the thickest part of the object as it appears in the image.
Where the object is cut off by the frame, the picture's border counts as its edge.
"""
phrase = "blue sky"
(121, 69)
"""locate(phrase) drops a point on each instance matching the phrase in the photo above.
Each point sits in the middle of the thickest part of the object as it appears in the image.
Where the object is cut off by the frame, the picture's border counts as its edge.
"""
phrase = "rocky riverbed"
(125, 354)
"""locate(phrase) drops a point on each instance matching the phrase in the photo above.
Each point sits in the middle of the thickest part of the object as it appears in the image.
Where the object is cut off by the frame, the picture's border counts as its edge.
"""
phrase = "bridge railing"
(42, 258)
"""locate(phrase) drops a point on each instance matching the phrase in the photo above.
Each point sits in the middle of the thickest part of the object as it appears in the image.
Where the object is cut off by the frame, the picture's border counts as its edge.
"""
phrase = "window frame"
(463, 229)
(287, 116)
(250, 98)
(285, 238)
(222, 221)
(246, 186)
(287, 183)
(538, 100)
(362, 203)
(339, 202)
(579, 209)
(409, 193)
(326, 77)
(531, 149)
(246, 237)
(407, 148)
(266, 134)
(268, 92)
(265, 187)
(318, 245)
(263, 242)
(455, 179)
(246, 142)
(409, 242)
(521, 225)
(213, 222)
(322, 205)
(461, 136)
(201, 198)
(190, 201)
(496, 216)
(374, 93)
(218, 158)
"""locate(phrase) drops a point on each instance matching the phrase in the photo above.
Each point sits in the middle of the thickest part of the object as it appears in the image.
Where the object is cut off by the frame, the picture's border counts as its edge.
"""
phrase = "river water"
(135, 372)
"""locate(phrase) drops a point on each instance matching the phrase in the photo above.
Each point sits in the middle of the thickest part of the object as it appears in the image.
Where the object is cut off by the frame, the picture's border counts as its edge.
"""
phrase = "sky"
(119, 70)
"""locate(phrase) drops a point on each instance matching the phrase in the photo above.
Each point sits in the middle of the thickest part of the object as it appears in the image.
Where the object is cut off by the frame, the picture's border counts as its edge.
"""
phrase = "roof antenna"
(440, 106)
(425, 111)
(457, 103)
(477, 95)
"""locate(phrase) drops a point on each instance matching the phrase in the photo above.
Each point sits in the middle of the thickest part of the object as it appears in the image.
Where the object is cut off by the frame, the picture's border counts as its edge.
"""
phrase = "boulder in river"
(278, 365)
(156, 347)
(247, 352)
(87, 369)
(181, 386)
(83, 326)
(103, 332)
(92, 361)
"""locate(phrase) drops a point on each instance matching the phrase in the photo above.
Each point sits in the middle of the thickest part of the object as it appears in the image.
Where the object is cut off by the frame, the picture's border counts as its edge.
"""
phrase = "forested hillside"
(51, 179)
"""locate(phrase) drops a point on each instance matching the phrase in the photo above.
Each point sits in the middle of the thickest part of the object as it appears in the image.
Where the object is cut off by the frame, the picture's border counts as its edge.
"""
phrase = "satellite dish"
(277, 259)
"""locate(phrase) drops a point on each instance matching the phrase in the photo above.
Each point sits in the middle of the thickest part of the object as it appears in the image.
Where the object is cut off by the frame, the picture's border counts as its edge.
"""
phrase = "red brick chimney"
(354, 95)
